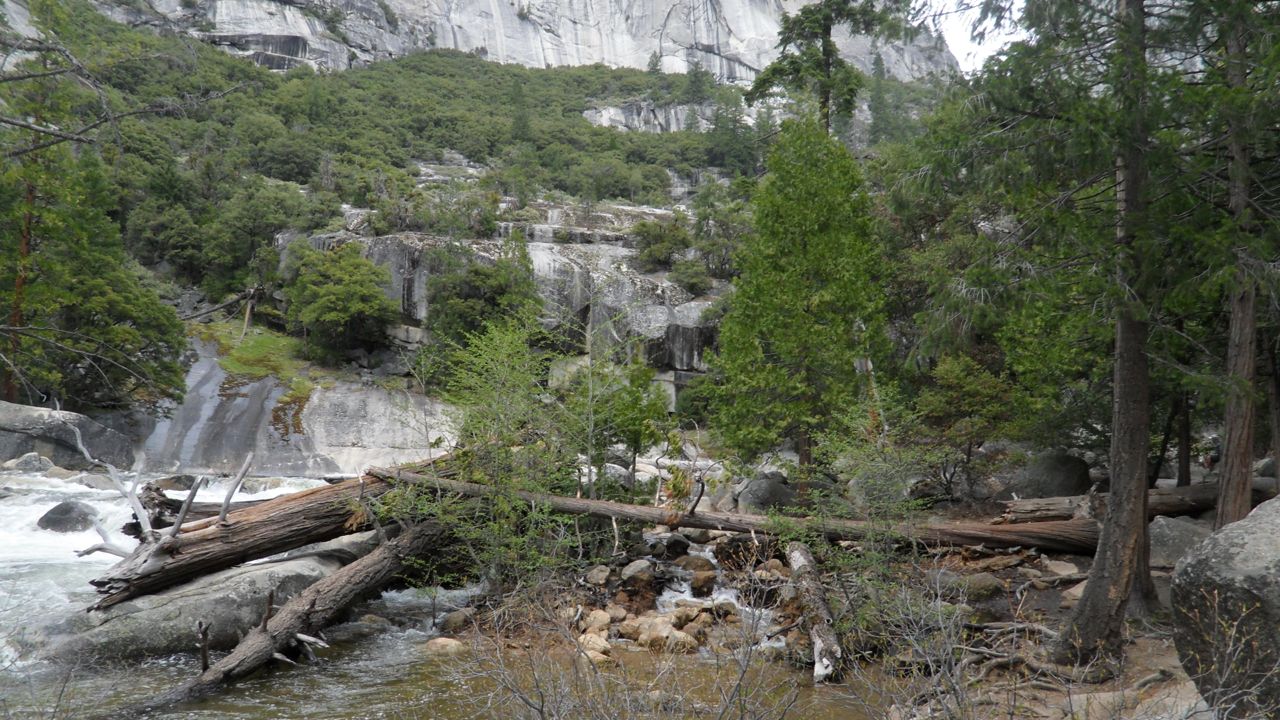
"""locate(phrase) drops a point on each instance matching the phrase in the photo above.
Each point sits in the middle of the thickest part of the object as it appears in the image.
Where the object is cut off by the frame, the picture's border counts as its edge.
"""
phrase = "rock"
(180, 483)
(1226, 604)
(1172, 538)
(231, 601)
(595, 659)
(1181, 702)
(697, 536)
(618, 474)
(743, 551)
(703, 583)
(672, 546)
(638, 573)
(1266, 467)
(1059, 567)
(775, 567)
(444, 647)
(695, 563)
(25, 429)
(596, 620)
(1049, 474)
(594, 643)
(598, 575)
(679, 641)
(767, 489)
(954, 586)
(1072, 595)
(96, 481)
(68, 516)
(29, 463)
(457, 621)
(616, 613)
(60, 473)
(1099, 706)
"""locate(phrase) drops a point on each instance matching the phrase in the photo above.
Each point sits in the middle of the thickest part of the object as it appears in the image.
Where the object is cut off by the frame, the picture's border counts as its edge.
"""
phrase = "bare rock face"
(734, 39)
(1226, 606)
(26, 429)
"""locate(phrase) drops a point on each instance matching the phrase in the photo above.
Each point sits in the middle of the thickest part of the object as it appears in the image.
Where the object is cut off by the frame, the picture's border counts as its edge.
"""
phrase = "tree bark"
(1273, 403)
(205, 546)
(1184, 440)
(828, 658)
(1161, 501)
(1237, 465)
(1096, 624)
(1075, 536)
(306, 614)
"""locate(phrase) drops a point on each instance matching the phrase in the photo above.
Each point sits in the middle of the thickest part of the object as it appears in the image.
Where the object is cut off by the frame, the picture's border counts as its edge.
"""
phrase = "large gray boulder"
(1226, 606)
(68, 516)
(26, 429)
(231, 602)
(1050, 474)
(768, 488)
(1173, 537)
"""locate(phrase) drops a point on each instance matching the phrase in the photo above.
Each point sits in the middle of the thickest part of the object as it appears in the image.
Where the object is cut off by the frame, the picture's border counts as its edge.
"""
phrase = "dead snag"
(299, 621)
(827, 655)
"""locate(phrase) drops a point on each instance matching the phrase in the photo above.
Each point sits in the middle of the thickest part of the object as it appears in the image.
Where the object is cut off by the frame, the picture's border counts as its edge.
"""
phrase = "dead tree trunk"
(303, 617)
(205, 546)
(1078, 536)
(827, 655)
(1161, 501)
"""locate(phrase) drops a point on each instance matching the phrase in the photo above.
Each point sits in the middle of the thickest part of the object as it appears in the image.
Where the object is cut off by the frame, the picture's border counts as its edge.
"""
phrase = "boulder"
(230, 601)
(60, 473)
(703, 583)
(594, 643)
(31, 462)
(767, 489)
(638, 573)
(954, 586)
(68, 516)
(1172, 538)
(26, 429)
(595, 621)
(1226, 604)
(695, 563)
(95, 481)
(671, 546)
(444, 647)
(1049, 474)
(598, 575)
(1266, 467)
(457, 621)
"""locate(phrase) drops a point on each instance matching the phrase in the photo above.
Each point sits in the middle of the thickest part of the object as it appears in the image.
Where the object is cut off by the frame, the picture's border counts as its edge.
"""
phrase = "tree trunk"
(1237, 463)
(1273, 403)
(1153, 468)
(827, 655)
(1184, 441)
(205, 546)
(1096, 624)
(1237, 453)
(306, 614)
(1161, 501)
(1074, 536)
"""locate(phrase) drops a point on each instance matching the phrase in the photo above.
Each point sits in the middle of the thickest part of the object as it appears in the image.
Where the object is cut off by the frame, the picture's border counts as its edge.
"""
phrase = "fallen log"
(827, 655)
(163, 510)
(297, 624)
(1072, 536)
(1186, 500)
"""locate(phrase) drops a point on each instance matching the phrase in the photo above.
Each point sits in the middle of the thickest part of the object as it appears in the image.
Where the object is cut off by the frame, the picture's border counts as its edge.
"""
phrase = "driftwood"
(297, 625)
(1073, 536)
(207, 545)
(827, 655)
(1186, 500)
(163, 510)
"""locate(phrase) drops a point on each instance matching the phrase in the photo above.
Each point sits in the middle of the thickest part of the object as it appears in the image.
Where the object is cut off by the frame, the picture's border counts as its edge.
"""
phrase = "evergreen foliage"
(336, 298)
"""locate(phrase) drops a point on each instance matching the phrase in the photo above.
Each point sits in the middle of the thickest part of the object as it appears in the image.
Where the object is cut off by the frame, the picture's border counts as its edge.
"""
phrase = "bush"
(336, 298)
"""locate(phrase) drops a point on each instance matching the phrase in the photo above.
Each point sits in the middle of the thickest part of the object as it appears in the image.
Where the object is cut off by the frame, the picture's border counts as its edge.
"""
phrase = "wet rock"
(598, 575)
(703, 583)
(180, 483)
(231, 601)
(68, 516)
(1172, 538)
(638, 573)
(698, 536)
(95, 481)
(671, 546)
(695, 563)
(1235, 575)
(60, 473)
(444, 647)
(457, 621)
(29, 463)
(25, 429)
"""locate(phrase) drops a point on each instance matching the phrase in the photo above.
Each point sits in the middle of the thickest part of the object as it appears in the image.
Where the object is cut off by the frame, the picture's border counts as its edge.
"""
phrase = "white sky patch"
(957, 28)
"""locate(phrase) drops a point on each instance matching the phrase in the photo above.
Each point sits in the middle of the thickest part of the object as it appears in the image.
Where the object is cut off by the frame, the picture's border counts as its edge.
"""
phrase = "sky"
(957, 27)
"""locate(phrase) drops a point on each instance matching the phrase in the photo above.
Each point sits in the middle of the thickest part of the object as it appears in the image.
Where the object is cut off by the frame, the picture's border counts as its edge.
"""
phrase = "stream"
(381, 671)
